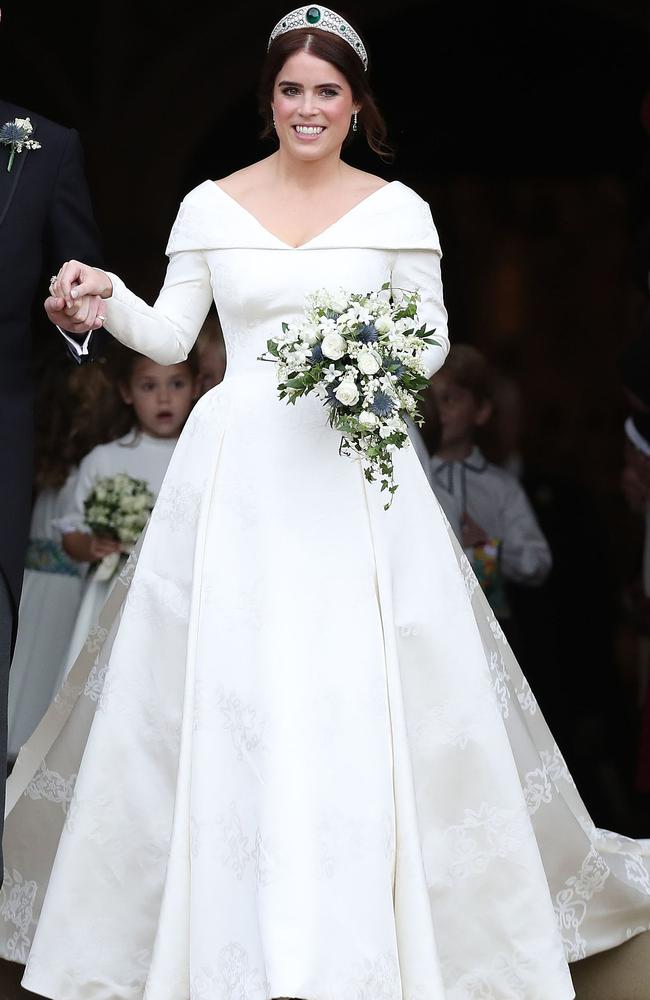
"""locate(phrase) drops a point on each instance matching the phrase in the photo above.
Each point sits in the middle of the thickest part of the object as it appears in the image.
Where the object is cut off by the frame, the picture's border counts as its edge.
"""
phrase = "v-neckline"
(301, 246)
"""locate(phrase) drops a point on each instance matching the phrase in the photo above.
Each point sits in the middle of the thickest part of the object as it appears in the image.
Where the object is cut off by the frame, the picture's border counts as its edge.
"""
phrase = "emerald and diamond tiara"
(325, 20)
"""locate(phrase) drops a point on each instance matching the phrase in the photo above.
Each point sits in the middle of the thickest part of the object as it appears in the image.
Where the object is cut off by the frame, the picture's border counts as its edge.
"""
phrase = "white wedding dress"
(297, 757)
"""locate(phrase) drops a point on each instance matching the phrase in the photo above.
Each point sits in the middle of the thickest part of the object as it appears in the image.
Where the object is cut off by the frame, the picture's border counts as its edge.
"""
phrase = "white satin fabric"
(297, 757)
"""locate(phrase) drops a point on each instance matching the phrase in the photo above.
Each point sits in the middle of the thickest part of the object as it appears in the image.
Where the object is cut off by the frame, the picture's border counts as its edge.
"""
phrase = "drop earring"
(354, 122)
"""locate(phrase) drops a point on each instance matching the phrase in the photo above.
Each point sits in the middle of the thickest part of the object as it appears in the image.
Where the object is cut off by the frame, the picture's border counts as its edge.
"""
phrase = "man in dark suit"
(45, 219)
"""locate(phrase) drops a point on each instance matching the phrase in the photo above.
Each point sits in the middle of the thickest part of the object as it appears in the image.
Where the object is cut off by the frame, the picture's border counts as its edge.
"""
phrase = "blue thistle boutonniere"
(16, 134)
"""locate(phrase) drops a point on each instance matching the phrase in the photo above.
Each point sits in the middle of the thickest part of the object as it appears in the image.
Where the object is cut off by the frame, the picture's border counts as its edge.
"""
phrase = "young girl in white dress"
(69, 422)
(307, 763)
(155, 403)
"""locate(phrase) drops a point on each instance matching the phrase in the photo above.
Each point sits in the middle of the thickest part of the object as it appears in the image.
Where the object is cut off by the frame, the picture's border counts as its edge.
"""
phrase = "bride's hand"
(76, 292)
(76, 280)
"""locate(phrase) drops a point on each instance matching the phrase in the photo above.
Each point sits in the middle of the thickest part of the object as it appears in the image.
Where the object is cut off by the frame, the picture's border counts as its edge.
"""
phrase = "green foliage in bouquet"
(118, 507)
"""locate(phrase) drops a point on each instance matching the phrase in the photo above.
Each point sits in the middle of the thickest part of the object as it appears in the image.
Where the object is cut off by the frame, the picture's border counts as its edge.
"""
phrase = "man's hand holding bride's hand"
(75, 300)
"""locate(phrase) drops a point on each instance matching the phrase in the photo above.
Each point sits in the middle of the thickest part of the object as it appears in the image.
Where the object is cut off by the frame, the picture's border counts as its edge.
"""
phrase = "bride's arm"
(166, 331)
(420, 269)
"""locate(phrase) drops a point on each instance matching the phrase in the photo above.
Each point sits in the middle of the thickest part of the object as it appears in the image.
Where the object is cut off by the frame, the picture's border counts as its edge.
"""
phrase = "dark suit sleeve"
(72, 233)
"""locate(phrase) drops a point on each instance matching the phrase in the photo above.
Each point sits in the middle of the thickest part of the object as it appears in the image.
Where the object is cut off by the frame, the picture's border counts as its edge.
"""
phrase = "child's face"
(161, 396)
(460, 412)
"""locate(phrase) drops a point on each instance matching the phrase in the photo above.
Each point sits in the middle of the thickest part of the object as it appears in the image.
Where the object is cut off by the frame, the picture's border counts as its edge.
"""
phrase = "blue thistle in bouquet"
(361, 354)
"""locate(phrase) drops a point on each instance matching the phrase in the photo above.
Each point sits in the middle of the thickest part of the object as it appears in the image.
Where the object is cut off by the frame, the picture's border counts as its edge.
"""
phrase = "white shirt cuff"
(80, 349)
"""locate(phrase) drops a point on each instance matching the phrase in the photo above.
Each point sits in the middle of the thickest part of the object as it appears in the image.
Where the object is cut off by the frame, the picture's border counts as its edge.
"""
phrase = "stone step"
(620, 974)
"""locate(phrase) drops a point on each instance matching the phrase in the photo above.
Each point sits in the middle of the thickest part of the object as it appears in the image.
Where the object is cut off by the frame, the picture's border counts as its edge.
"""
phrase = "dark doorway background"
(523, 125)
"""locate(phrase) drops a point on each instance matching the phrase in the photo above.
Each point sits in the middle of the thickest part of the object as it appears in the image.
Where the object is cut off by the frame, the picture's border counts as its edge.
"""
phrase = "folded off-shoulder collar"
(393, 217)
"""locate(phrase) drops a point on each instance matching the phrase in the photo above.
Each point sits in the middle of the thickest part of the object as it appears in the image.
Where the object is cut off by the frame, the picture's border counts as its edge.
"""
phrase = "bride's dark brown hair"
(329, 47)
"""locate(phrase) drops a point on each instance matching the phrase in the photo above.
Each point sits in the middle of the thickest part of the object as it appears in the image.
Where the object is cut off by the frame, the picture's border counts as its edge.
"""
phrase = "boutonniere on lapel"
(16, 134)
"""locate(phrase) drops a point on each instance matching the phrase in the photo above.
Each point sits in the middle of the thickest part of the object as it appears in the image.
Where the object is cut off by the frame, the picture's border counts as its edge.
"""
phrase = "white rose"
(368, 362)
(23, 123)
(347, 393)
(384, 324)
(333, 346)
(339, 301)
(368, 419)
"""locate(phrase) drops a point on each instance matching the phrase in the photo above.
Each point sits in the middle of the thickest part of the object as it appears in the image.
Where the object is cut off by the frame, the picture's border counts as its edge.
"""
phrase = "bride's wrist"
(107, 291)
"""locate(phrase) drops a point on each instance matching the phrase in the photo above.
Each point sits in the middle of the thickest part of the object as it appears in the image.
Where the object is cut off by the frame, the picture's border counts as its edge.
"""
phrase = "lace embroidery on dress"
(540, 784)
(571, 902)
(538, 789)
(233, 978)
(500, 682)
(496, 629)
(234, 845)
(508, 976)
(556, 766)
(242, 722)
(150, 594)
(51, 786)
(526, 698)
(96, 639)
(179, 505)
(17, 907)
(96, 681)
(637, 872)
(450, 724)
(469, 576)
(378, 980)
(484, 835)
(66, 697)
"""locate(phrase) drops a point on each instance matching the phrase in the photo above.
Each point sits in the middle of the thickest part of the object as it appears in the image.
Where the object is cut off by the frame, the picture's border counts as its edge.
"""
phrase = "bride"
(297, 757)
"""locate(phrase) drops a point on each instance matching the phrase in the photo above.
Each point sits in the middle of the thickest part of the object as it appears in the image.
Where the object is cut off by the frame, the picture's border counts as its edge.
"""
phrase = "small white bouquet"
(117, 507)
(362, 355)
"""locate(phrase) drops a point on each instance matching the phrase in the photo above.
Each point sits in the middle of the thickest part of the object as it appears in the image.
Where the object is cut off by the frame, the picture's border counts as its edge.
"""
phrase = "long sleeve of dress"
(166, 331)
(419, 269)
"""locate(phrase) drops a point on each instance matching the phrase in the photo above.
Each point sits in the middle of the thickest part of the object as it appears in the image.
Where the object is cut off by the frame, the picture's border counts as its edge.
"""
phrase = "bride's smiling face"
(313, 106)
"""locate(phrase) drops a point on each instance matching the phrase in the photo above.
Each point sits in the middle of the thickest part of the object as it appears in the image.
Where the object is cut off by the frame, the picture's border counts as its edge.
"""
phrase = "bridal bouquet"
(362, 356)
(117, 507)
